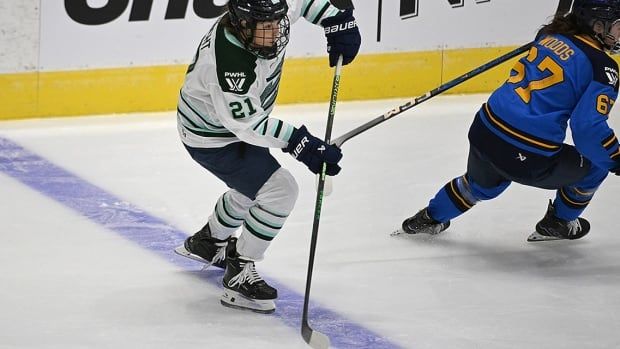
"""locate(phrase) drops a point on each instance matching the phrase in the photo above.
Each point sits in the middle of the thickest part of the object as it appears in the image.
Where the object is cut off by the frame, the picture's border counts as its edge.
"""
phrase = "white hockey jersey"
(229, 93)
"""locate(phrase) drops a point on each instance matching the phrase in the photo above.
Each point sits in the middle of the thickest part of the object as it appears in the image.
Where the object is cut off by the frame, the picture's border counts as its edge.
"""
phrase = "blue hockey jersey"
(564, 80)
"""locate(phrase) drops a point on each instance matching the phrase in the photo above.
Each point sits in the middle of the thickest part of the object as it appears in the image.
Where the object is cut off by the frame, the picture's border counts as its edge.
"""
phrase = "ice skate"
(204, 248)
(421, 223)
(243, 287)
(553, 228)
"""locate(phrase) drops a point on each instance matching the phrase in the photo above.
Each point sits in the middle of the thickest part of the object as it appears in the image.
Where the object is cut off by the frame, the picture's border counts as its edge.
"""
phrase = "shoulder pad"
(235, 65)
(604, 68)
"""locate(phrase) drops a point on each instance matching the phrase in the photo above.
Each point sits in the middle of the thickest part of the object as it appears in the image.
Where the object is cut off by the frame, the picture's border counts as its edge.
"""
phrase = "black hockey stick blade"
(315, 339)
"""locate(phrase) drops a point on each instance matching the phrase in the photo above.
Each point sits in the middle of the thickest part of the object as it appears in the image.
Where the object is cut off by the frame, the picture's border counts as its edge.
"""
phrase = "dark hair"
(564, 25)
(226, 23)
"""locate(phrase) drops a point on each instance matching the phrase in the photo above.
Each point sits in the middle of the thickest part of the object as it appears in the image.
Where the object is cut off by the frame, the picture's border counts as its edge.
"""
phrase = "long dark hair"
(564, 25)
(225, 22)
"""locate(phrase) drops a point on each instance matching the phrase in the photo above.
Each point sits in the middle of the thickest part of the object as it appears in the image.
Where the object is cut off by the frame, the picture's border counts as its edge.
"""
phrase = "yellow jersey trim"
(515, 133)
(590, 42)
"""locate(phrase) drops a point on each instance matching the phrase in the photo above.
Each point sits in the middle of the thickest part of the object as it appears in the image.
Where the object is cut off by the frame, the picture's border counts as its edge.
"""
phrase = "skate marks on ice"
(579, 259)
(161, 238)
(90, 201)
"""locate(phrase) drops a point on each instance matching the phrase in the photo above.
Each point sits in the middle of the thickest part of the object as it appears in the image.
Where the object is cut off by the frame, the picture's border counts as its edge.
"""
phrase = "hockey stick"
(425, 97)
(563, 7)
(314, 338)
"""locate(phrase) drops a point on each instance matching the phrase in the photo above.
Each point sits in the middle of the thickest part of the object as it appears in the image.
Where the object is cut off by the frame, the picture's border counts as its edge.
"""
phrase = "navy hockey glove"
(343, 37)
(616, 170)
(313, 152)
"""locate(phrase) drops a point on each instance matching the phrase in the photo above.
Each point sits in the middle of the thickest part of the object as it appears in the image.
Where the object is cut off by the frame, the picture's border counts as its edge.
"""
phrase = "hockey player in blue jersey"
(567, 78)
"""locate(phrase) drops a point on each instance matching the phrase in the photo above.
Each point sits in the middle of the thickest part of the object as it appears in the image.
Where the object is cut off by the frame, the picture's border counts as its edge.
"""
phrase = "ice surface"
(91, 207)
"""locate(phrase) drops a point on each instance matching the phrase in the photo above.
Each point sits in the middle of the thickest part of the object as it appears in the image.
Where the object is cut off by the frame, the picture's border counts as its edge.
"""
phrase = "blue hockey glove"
(343, 37)
(313, 152)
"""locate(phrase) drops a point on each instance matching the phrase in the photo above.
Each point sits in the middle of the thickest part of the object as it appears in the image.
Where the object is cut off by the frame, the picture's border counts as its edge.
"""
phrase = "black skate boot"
(554, 228)
(203, 248)
(422, 223)
(243, 287)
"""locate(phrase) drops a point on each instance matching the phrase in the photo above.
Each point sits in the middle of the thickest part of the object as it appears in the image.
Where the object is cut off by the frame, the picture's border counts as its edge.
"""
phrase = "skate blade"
(536, 237)
(182, 251)
(236, 300)
(400, 231)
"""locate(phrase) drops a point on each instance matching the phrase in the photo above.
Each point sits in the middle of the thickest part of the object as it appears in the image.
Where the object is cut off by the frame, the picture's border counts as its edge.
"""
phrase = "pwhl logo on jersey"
(612, 75)
(235, 81)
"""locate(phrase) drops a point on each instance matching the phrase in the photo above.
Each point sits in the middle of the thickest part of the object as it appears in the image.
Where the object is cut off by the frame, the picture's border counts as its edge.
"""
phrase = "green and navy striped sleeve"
(314, 11)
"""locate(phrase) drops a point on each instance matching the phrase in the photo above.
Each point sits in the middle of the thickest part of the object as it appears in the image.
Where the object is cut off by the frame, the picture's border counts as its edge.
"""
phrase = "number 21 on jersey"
(239, 110)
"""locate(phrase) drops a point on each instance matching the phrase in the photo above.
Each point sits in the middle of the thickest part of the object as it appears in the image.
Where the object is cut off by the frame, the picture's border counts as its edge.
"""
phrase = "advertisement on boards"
(85, 34)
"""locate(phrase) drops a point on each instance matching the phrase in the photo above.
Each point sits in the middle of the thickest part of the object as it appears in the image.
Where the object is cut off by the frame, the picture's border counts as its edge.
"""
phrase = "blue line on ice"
(161, 238)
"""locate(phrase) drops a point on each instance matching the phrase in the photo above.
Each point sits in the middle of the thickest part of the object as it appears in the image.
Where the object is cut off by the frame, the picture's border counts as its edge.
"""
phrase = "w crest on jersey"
(235, 81)
(612, 75)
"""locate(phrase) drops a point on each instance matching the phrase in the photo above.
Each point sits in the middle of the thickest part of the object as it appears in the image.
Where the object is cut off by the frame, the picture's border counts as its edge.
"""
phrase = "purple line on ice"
(161, 238)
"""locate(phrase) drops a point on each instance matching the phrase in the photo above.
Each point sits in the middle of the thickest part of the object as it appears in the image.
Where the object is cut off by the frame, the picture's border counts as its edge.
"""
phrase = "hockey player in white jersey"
(224, 122)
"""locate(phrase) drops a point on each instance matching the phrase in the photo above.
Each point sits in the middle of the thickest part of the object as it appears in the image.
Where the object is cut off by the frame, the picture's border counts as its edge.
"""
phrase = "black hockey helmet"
(244, 16)
(606, 12)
